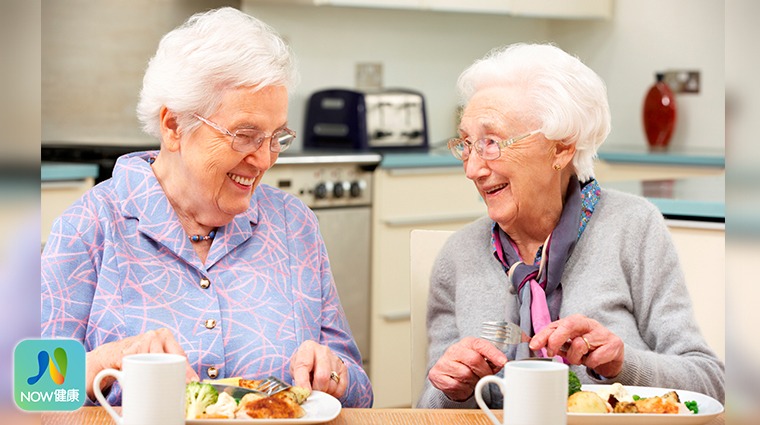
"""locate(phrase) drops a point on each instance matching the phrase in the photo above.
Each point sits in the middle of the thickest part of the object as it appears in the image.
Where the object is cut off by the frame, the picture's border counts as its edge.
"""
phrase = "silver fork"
(272, 385)
(501, 333)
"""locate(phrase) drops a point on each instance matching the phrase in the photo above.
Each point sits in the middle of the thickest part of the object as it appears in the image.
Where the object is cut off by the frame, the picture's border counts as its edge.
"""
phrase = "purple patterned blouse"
(118, 263)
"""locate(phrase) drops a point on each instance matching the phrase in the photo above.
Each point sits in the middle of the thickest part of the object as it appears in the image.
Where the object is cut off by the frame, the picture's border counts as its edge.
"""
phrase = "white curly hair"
(211, 52)
(568, 98)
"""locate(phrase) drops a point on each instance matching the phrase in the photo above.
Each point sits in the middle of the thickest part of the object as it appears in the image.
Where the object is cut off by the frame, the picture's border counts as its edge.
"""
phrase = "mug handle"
(490, 379)
(99, 395)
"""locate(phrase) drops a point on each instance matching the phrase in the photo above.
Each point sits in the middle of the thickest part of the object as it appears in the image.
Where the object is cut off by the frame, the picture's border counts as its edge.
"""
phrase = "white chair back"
(424, 246)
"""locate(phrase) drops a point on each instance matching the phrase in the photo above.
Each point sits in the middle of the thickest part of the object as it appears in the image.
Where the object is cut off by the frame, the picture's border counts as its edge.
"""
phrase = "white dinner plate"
(320, 408)
(708, 409)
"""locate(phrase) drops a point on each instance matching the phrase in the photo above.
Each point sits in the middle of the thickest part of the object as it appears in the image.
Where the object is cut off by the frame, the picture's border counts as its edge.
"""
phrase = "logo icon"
(49, 374)
(57, 370)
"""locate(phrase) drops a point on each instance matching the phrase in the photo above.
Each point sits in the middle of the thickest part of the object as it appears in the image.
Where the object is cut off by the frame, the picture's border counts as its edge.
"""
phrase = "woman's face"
(221, 179)
(521, 185)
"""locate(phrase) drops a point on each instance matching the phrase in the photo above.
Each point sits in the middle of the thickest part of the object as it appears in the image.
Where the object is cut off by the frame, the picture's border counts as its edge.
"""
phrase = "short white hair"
(210, 53)
(567, 97)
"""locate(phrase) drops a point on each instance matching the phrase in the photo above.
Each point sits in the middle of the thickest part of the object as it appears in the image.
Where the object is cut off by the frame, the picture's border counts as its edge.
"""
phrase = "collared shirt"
(118, 263)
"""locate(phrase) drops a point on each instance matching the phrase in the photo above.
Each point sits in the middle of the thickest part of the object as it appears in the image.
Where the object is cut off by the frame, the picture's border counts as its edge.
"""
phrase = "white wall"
(94, 54)
(424, 51)
(646, 36)
(428, 50)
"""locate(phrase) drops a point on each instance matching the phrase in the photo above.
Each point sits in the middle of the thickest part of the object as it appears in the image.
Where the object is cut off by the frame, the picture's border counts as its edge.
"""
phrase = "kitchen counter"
(641, 154)
(65, 171)
(689, 198)
(441, 157)
(433, 158)
(367, 159)
(696, 198)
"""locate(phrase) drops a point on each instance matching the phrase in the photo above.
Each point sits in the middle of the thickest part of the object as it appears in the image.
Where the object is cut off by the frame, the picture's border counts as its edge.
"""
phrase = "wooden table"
(98, 416)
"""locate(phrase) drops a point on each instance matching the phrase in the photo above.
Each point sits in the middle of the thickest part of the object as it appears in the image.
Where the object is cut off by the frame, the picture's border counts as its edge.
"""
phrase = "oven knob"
(320, 192)
(356, 190)
(338, 190)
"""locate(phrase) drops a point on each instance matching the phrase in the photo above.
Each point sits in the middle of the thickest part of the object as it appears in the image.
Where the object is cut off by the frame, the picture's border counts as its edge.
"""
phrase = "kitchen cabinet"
(564, 9)
(606, 171)
(702, 251)
(62, 184)
(435, 198)
(637, 162)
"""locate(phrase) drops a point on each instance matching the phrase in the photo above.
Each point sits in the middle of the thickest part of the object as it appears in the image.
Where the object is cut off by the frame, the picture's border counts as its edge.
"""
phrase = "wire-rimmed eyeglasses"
(488, 149)
(249, 140)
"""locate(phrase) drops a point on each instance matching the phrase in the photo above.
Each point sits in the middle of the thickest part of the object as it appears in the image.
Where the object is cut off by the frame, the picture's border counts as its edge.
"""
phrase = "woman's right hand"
(110, 355)
(457, 372)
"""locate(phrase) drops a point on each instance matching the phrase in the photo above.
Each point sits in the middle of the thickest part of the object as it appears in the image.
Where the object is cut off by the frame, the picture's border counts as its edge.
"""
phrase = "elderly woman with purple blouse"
(182, 251)
(566, 259)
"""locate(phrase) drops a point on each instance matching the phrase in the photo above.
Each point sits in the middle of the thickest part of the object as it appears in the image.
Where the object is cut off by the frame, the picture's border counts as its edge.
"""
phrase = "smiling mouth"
(496, 189)
(245, 181)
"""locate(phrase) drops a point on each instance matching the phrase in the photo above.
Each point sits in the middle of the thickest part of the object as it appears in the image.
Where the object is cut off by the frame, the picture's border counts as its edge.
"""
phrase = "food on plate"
(198, 397)
(586, 402)
(573, 383)
(224, 408)
(616, 399)
(203, 401)
(297, 394)
(278, 406)
(615, 393)
(667, 403)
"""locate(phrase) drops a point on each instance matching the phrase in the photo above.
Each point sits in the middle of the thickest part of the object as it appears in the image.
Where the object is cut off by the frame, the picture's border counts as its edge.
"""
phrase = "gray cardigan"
(624, 273)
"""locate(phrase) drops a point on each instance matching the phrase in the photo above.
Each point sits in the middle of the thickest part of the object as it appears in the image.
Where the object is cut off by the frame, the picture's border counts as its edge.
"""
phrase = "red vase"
(659, 114)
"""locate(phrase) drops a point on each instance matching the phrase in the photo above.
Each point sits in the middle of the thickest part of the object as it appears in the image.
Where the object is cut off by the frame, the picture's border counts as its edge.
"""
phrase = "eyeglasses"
(488, 149)
(249, 140)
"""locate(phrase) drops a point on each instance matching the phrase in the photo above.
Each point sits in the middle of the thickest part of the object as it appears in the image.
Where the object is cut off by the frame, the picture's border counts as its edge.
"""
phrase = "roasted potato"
(586, 402)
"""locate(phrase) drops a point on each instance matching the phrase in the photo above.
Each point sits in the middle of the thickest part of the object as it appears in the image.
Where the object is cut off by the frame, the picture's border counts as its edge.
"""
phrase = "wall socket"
(369, 75)
(681, 81)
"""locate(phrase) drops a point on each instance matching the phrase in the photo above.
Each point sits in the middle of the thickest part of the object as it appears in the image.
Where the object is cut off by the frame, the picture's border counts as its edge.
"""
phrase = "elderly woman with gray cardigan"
(590, 275)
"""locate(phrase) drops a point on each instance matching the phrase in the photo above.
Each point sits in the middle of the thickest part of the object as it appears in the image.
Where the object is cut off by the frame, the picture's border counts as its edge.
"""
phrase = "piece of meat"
(271, 408)
(625, 407)
(667, 403)
(249, 383)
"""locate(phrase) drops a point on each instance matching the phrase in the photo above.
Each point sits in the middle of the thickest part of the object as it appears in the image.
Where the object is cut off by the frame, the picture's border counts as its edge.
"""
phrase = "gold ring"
(335, 377)
(588, 344)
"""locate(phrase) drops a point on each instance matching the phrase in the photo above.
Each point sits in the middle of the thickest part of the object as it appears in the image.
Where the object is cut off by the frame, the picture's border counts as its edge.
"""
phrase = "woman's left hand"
(590, 344)
(316, 367)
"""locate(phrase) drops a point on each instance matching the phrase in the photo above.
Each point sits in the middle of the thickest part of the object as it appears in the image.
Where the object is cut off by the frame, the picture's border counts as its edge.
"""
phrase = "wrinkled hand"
(110, 355)
(311, 366)
(457, 372)
(591, 344)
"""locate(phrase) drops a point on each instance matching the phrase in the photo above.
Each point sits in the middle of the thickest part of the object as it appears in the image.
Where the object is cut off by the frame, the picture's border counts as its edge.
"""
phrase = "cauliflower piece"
(616, 390)
(225, 406)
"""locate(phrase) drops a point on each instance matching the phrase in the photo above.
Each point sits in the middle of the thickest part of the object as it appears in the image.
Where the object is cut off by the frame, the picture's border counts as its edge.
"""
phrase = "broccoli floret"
(198, 397)
(692, 405)
(573, 383)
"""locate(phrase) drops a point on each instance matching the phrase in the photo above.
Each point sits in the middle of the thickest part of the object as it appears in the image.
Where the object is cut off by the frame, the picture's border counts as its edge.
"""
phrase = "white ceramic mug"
(535, 393)
(153, 389)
